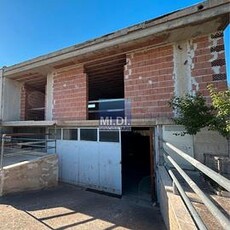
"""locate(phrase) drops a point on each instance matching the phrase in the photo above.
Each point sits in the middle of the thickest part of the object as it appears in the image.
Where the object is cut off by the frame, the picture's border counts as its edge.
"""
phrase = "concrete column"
(1, 92)
(49, 98)
(184, 82)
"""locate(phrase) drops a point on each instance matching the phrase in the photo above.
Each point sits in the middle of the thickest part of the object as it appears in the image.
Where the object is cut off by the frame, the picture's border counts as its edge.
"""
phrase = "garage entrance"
(137, 163)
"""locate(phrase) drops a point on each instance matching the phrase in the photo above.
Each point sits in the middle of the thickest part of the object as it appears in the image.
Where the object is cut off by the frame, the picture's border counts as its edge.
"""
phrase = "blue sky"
(32, 28)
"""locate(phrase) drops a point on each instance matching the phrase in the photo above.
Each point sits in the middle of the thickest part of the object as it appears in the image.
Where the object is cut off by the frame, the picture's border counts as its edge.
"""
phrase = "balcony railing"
(106, 108)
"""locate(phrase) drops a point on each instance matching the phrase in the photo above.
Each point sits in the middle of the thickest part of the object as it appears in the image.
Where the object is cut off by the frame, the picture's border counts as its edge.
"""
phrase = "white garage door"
(90, 158)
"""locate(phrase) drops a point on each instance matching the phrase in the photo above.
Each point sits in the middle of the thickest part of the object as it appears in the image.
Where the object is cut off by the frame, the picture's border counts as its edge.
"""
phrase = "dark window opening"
(106, 87)
(34, 94)
(88, 134)
(107, 136)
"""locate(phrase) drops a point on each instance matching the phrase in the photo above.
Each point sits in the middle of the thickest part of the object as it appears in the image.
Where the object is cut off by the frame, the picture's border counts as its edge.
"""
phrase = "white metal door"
(92, 164)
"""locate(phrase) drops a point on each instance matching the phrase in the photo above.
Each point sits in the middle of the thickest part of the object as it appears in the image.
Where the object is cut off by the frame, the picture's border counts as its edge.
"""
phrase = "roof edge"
(147, 28)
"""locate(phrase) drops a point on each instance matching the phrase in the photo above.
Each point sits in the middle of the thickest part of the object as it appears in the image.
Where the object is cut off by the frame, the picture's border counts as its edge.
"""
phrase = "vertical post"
(158, 161)
(1, 93)
(2, 151)
(49, 98)
(152, 164)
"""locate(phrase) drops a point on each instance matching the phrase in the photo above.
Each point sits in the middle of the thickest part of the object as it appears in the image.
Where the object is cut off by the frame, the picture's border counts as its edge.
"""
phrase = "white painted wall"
(184, 143)
(11, 100)
(91, 164)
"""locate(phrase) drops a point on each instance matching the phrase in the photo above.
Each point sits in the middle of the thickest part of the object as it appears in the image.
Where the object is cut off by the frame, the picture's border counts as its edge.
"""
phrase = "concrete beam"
(28, 123)
(183, 18)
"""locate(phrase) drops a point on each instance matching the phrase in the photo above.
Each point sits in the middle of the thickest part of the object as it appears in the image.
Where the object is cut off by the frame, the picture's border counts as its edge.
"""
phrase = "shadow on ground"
(70, 207)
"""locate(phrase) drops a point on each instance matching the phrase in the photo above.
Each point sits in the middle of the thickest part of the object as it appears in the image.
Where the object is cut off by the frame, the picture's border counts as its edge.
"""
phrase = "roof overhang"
(199, 19)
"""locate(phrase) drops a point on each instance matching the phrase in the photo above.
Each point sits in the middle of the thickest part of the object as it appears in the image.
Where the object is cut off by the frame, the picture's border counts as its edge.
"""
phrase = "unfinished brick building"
(147, 64)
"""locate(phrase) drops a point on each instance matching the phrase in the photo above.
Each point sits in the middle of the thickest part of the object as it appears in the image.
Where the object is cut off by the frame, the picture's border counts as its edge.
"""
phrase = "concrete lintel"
(27, 123)
(135, 122)
(170, 22)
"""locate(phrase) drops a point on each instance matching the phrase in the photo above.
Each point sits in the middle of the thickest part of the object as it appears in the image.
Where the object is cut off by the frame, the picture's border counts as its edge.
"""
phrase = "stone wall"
(33, 175)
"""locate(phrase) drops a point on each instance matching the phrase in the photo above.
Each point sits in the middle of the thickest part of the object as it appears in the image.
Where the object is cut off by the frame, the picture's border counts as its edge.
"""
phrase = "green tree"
(194, 113)
(221, 105)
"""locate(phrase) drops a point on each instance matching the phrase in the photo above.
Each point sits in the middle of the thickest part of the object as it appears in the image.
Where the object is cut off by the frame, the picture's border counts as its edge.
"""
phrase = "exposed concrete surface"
(70, 207)
(11, 108)
(210, 142)
(30, 174)
(49, 97)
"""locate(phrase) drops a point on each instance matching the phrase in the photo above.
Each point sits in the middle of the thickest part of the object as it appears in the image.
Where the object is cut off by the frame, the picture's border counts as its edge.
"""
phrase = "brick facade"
(209, 62)
(23, 104)
(70, 94)
(149, 82)
(31, 98)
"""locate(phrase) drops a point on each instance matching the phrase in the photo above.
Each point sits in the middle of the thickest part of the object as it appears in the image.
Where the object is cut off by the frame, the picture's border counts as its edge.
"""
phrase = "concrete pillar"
(184, 82)
(1, 93)
(49, 98)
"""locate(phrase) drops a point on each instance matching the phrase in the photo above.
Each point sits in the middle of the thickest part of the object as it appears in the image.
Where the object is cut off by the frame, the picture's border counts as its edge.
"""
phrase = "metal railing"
(219, 179)
(106, 107)
(27, 141)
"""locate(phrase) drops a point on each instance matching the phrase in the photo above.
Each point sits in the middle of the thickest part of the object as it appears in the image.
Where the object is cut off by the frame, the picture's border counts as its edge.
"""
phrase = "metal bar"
(31, 143)
(108, 110)
(31, 139)
(222, 181)
(188, 203)
(223, 220)
(107, 100)
(2, 151)
(25, 134)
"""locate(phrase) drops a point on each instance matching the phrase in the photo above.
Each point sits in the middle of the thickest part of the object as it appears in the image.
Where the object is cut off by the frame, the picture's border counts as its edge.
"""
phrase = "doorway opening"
(137, 164)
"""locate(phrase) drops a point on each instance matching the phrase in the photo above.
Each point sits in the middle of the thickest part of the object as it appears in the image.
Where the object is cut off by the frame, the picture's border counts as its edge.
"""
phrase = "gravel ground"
(71, 207)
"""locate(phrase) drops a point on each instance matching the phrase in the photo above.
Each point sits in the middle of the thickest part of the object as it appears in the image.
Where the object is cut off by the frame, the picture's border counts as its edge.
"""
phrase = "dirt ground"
(71, 207)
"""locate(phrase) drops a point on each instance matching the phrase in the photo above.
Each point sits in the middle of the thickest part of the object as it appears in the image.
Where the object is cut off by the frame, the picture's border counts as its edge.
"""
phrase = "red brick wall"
(70, 94)
(149, 82)
(31, 98)
(149, 74)
(209, 62)
(23, 104)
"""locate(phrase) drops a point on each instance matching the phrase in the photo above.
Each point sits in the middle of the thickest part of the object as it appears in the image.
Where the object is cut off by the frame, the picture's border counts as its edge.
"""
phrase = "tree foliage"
(221, 105)
(192, 112)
